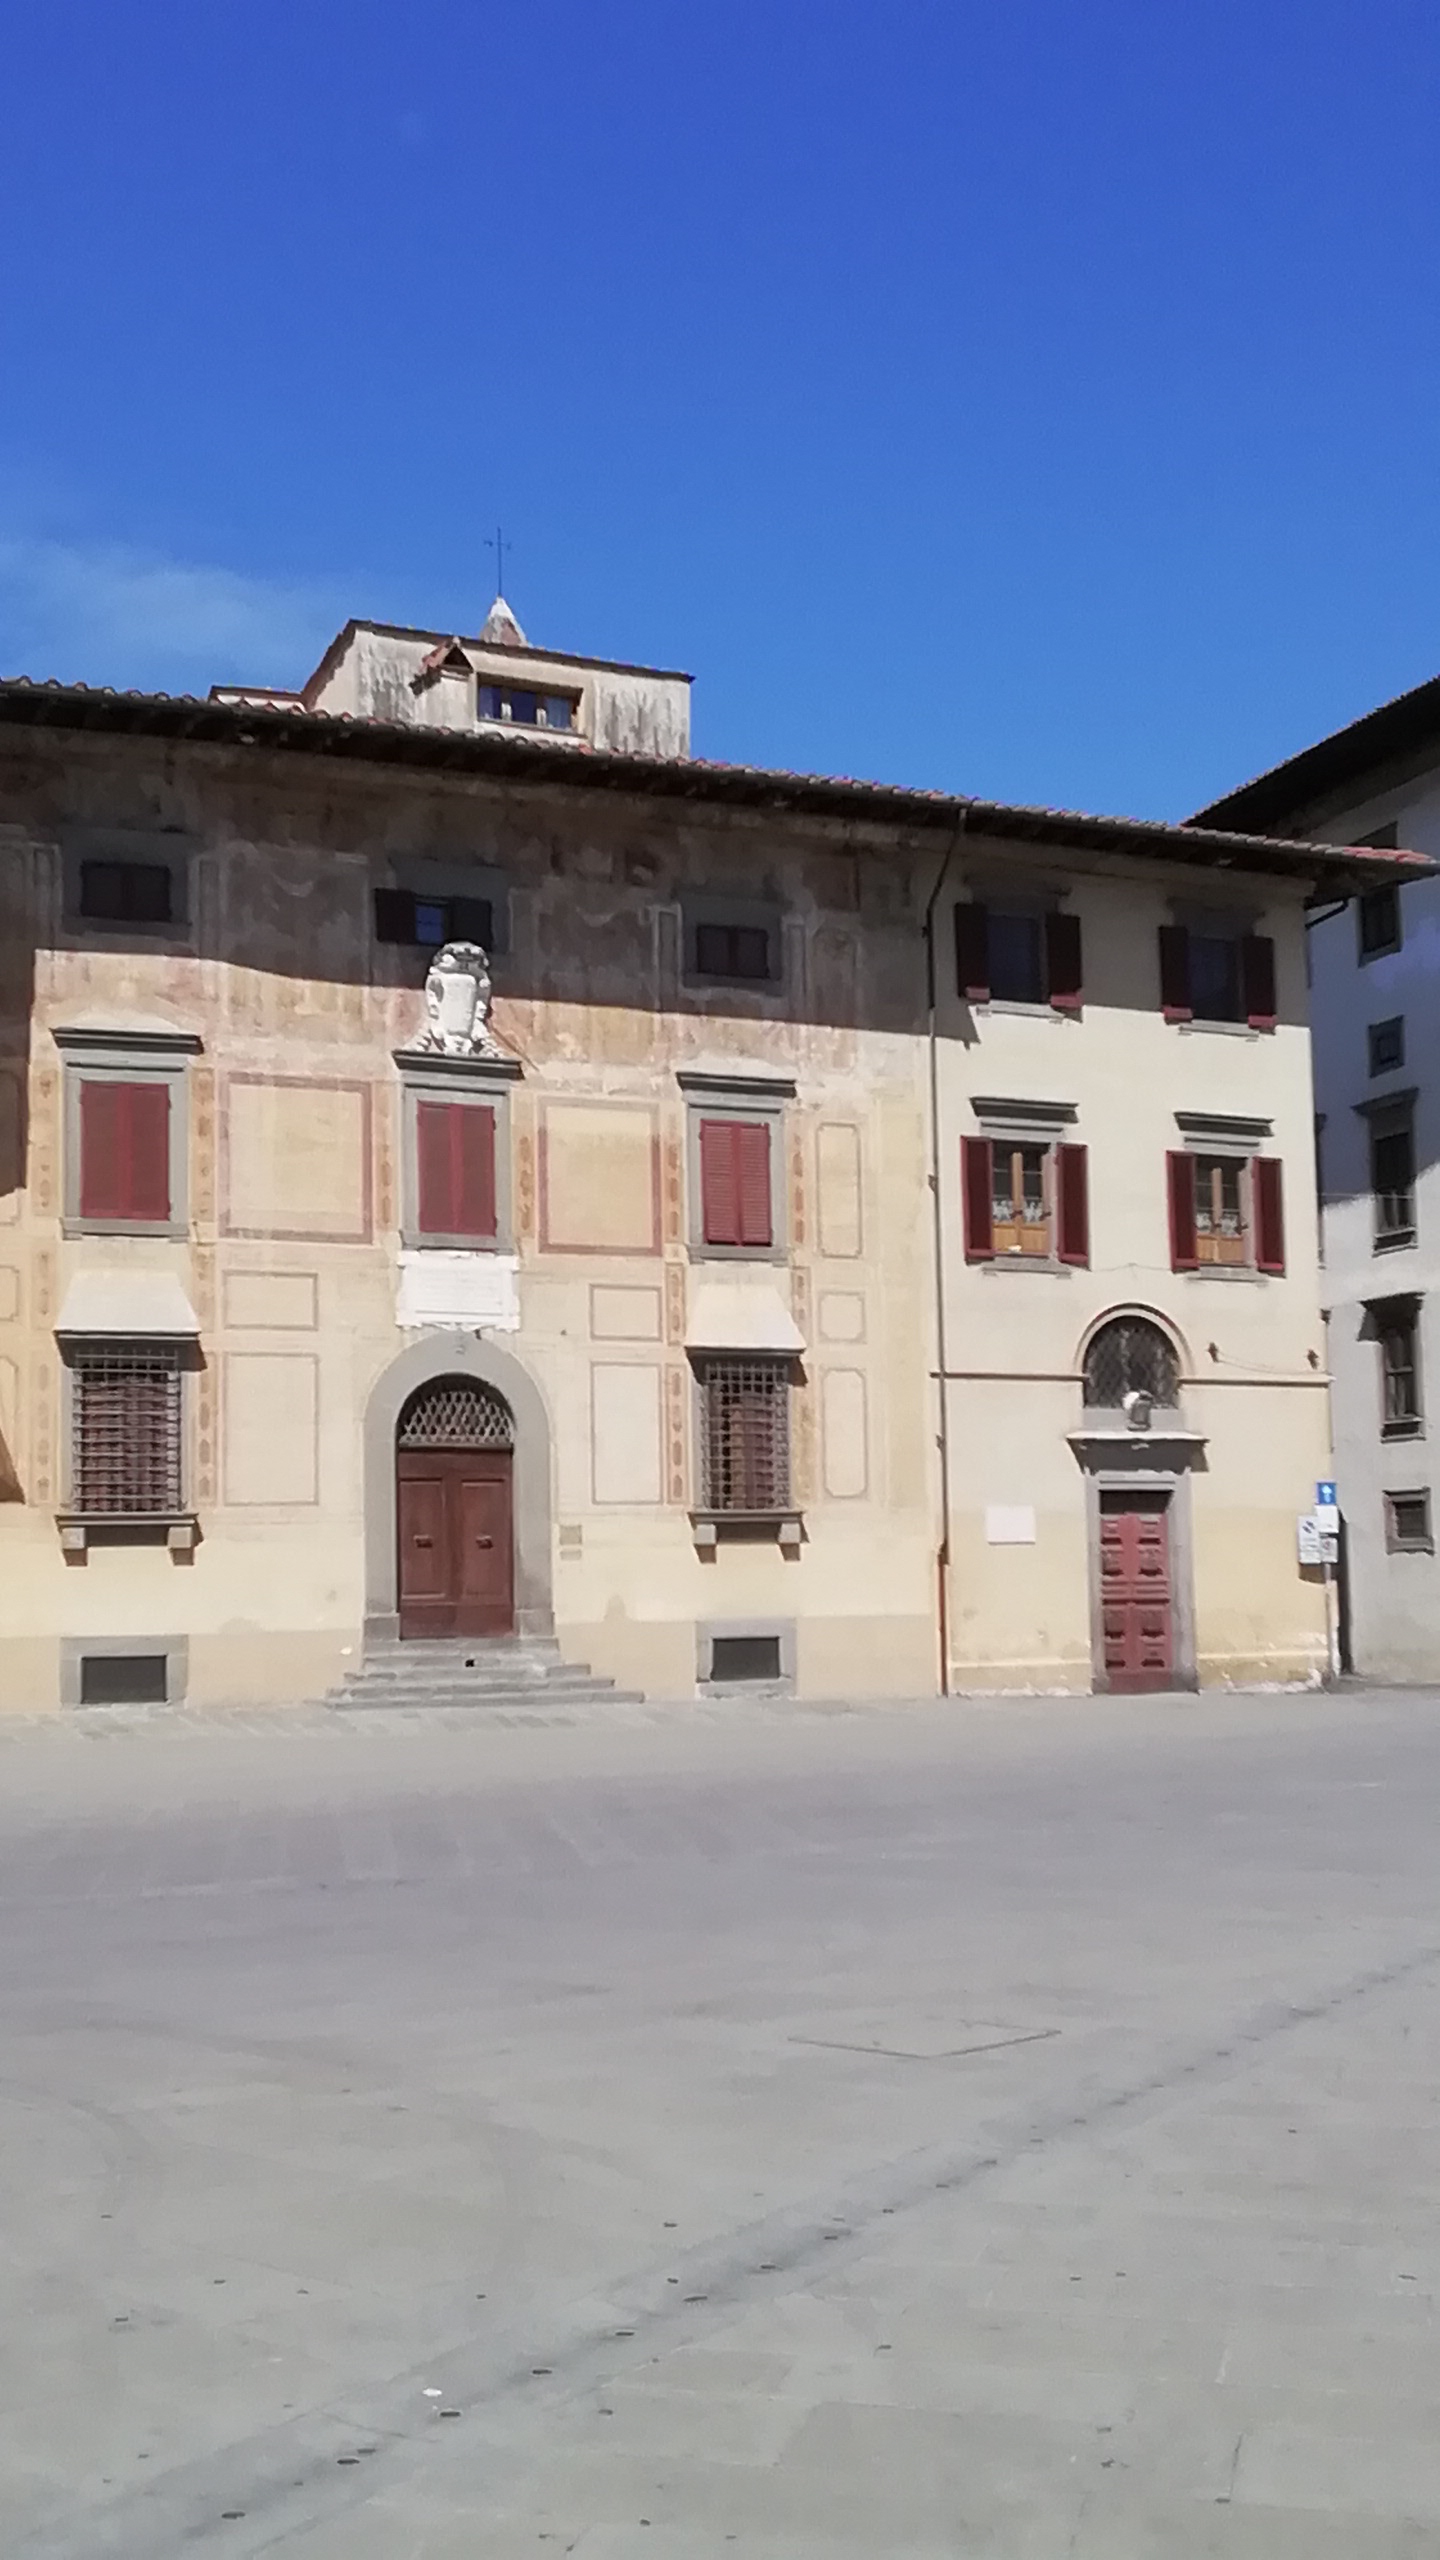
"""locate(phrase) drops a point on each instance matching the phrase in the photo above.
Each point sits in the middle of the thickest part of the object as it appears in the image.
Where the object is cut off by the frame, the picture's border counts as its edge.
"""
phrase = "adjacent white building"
(1375, 1014)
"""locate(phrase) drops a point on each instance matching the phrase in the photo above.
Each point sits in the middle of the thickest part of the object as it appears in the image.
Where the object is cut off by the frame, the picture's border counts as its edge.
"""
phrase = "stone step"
(500, 1673)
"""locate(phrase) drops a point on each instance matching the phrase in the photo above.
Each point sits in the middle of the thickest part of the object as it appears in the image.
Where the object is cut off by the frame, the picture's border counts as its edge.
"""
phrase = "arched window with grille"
(1130, 1355)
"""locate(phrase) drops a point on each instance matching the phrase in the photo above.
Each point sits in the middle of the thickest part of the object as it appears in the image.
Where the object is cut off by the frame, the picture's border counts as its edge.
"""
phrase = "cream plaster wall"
(291, 1259)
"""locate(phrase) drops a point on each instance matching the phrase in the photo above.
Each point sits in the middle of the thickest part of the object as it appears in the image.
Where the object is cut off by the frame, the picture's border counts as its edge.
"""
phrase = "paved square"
(1008, 2131)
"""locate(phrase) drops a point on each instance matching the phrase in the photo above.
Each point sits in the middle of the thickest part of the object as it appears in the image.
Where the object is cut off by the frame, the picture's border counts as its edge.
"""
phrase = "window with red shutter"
(124, 1174)
(736, 1198)
(455, 1170)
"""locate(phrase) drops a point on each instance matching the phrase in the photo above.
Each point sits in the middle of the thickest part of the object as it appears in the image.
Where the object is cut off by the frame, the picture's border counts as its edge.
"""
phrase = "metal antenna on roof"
(496, 542)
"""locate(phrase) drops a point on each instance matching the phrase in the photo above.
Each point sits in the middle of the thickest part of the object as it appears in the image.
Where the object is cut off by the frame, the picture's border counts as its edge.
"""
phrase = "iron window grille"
(126, 1432)
(745, 1435)
(1379, 922)
(1407, 1523)
(1386, 1042)
(1130, 1356)
(454, 1413)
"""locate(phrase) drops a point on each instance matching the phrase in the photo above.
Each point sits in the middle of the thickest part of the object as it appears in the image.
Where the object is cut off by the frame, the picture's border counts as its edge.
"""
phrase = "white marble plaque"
(477, 1290)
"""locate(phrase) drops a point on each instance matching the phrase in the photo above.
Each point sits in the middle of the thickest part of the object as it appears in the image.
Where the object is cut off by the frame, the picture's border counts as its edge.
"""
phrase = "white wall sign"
(1009, 1524)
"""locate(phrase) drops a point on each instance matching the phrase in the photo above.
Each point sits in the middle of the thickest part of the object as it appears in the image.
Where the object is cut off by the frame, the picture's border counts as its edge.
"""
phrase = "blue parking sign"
(1325, 1497)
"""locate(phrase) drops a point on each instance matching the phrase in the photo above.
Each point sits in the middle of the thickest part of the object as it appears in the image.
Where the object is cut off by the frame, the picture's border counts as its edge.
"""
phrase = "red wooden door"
(1136, 1602)
(457, 1568)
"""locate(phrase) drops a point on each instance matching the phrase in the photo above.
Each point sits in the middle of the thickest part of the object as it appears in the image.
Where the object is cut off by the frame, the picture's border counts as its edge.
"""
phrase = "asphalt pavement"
(1005, 2131)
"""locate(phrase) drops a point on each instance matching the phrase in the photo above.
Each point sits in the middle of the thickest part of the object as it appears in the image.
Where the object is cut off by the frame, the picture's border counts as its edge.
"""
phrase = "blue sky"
(1037, 398)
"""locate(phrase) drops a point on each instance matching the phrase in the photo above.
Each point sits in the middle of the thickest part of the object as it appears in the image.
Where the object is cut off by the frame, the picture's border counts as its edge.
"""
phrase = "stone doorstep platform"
(498, 1672)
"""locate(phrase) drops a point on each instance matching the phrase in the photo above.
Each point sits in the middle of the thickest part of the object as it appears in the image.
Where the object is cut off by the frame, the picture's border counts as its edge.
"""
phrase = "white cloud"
(107, 614)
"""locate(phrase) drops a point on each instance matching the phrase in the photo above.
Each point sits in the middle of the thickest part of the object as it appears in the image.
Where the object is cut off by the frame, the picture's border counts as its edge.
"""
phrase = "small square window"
(1387, 1044)
(732, 951)
(731, 942)
(1407, 1523)
(127, 892)
(557, 711)
(1379, 922)
(425, 923)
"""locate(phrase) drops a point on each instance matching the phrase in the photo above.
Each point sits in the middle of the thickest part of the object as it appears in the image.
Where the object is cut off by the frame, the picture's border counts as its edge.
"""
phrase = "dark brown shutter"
(1267, 1174)
(124, 1151)
(1063, 968)
(1180, 1180)
(438, 1204)
(470, 920)
(1073, 1195)
(472, 1149)
(1257, 967)
(752, 1181)
(972, 954)
(977, 1187)
(1175, 973)
(394, 915)
(719, 1183)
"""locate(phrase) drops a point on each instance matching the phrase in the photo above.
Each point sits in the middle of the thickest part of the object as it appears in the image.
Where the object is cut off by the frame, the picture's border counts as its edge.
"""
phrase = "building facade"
(488, 1174)
(1375, 972)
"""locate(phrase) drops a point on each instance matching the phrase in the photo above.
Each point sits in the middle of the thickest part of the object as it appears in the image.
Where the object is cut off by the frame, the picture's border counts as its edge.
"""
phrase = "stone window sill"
(715, 1528)
(79, 1531)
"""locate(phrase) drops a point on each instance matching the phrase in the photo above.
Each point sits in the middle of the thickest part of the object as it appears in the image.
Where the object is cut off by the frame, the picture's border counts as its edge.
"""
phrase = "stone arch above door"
(460, 1355)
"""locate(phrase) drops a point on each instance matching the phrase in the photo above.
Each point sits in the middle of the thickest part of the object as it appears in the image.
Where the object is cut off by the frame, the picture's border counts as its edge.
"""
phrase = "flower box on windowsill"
(786, 1528)
(79, 1530)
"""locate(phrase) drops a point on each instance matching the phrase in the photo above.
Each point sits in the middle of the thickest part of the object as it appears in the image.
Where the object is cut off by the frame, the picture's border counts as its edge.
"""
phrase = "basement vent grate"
(745, 1658)
(122, 1680)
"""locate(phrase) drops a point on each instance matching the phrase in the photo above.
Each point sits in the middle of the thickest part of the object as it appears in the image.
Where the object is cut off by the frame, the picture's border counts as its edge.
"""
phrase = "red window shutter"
(1184, 1245)
(972, 954)
(1267, 1174)
(101, 1150)
(1073, 1194)
(1063, 968)
(1175, 973)
(977, 1187)
(719, 1183)
(472, 1149)
(438, 1203)
(752, 1181)
(124, 1151)
(148, 1171)
(1257, 967)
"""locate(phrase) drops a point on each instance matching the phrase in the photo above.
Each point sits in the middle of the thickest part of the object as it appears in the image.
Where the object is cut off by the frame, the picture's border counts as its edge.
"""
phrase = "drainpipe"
(937, 1217)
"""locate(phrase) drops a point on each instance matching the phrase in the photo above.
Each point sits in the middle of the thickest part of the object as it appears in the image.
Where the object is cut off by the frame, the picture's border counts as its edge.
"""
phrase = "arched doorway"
(454, 1510)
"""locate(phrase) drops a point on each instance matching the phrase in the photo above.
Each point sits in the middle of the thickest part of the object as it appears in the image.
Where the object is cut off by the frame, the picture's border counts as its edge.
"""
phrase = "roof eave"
(24, 702)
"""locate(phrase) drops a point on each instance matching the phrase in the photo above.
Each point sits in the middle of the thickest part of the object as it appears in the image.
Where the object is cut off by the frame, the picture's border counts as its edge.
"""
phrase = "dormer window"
(527, 710)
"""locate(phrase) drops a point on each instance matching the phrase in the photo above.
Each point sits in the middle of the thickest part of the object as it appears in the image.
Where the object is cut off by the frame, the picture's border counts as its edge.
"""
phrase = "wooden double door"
(1137, 1598)
(457, 1542)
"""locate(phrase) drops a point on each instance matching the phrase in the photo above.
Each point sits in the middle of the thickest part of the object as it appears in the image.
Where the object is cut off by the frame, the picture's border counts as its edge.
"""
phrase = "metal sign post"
(1327, 1521)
